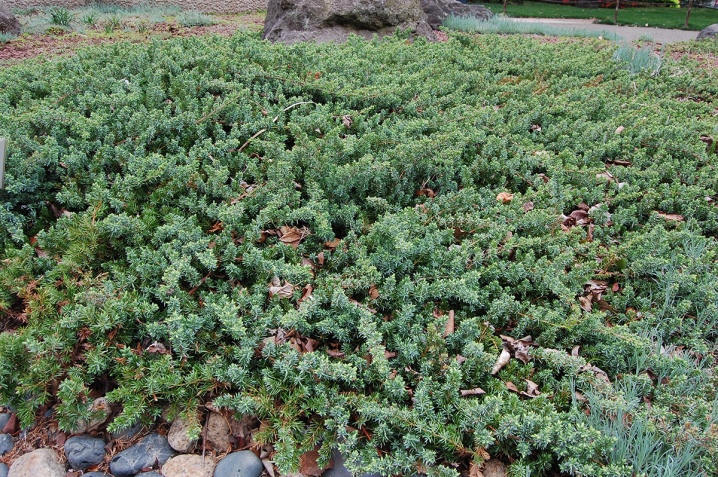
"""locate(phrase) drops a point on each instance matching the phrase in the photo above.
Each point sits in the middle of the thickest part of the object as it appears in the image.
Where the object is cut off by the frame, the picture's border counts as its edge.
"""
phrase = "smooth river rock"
(3, 470)
(40, 462)
(239, 464)
(153, 449)
(6, 443)
(84, 451)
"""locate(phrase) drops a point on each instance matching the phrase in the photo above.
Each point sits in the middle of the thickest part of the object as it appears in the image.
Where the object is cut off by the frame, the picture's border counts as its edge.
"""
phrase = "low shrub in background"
(425, 254)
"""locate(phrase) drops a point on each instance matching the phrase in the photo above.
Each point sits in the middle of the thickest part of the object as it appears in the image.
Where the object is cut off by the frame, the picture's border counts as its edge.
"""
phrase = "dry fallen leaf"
(347, 121)
(505, 197)
(472, 392)
(585, 303)
(426, 192)
(619, 129)
(528, 206)
(475, 470)
(511, 386)
(308, 464)
(373, 292)
(502, 361)
(307, 295)
(284, 291)
(449, 327)
(532, 389)
(672, 217)
(292, 235)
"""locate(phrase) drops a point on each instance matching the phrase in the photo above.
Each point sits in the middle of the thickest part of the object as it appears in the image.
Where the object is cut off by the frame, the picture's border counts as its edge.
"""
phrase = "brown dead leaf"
(511, 386)
(320, 258)
(284, 291)
(585, 303)
(671, 217)
(502, 361)
(460, 359)
(332, 244)
(347, 122)
(307, 294)
(335, 353)
(619, 162)
(575, 350)
(544, 177)
(472, 392)
(292, 235)
(308, 464)
(217, 227)
(475, 470)
(532, 389)
(269, 467)
(589, 368)
(616, 287)
(426, 192)
(449, 327)
(389, 354)
(528, 206)
(157, 348)
(505, 197)
(373, 292)
(519, 347)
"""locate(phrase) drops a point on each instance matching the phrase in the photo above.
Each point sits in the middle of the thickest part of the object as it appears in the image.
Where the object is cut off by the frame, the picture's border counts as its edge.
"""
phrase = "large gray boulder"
(708, 32)
(438, 10)
(290, 21)
(8, 22)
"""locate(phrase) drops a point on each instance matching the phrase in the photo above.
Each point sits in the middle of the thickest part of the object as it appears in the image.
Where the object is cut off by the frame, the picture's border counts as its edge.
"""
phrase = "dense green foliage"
(148, 188)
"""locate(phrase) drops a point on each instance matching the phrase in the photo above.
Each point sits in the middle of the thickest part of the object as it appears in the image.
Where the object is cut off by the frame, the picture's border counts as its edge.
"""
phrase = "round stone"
(6, 443)
(152, 449)
(239, 464)
(189, 465)
(96, 474)
(40, 462)
(177, 436)
(3, 470)
(84, 451)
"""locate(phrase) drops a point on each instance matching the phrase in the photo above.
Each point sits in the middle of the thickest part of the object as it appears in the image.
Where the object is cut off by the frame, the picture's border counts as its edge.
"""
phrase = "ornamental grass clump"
(424, 254)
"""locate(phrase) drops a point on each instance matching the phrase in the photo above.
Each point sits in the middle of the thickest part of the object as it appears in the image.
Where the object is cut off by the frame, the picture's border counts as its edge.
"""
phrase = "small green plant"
(60, 16)
(90, 19)
(502, 25)
(112, 24)
(6, 37)
(636, 60)
(194, 18)
(143, 26)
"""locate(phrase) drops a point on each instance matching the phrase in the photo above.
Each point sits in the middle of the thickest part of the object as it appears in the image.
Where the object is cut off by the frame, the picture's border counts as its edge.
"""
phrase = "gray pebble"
(239, 464)
(96, 474)
(3, 470)
(152, 449)
(149, 474)
(6, 443)
(84, 451)
(129, 433)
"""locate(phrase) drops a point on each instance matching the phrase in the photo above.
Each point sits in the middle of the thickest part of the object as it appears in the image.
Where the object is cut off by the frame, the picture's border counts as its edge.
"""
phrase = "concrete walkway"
(627, 33)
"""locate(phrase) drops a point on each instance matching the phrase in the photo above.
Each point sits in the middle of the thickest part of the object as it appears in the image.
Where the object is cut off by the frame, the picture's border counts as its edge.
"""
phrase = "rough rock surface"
(40, 462)
(239, 464)
(3, 470)
(96, 474)
(151, 450)
(177, 436)
(708, 32)
(84, 451)
(8, 22)
(189, 465)
(438, 10)
(4, 417)
(333, 21)
(494, 468)
(218, 432)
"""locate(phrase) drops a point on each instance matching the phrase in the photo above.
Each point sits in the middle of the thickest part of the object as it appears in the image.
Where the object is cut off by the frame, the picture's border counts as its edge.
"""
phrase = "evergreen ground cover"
(424, 254)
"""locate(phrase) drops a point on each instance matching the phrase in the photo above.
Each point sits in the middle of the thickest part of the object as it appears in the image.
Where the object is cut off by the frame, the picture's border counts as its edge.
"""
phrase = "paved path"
(628, 33)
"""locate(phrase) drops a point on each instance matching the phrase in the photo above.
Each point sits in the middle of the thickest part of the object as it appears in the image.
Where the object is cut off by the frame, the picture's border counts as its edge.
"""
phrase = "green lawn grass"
(661, 17)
